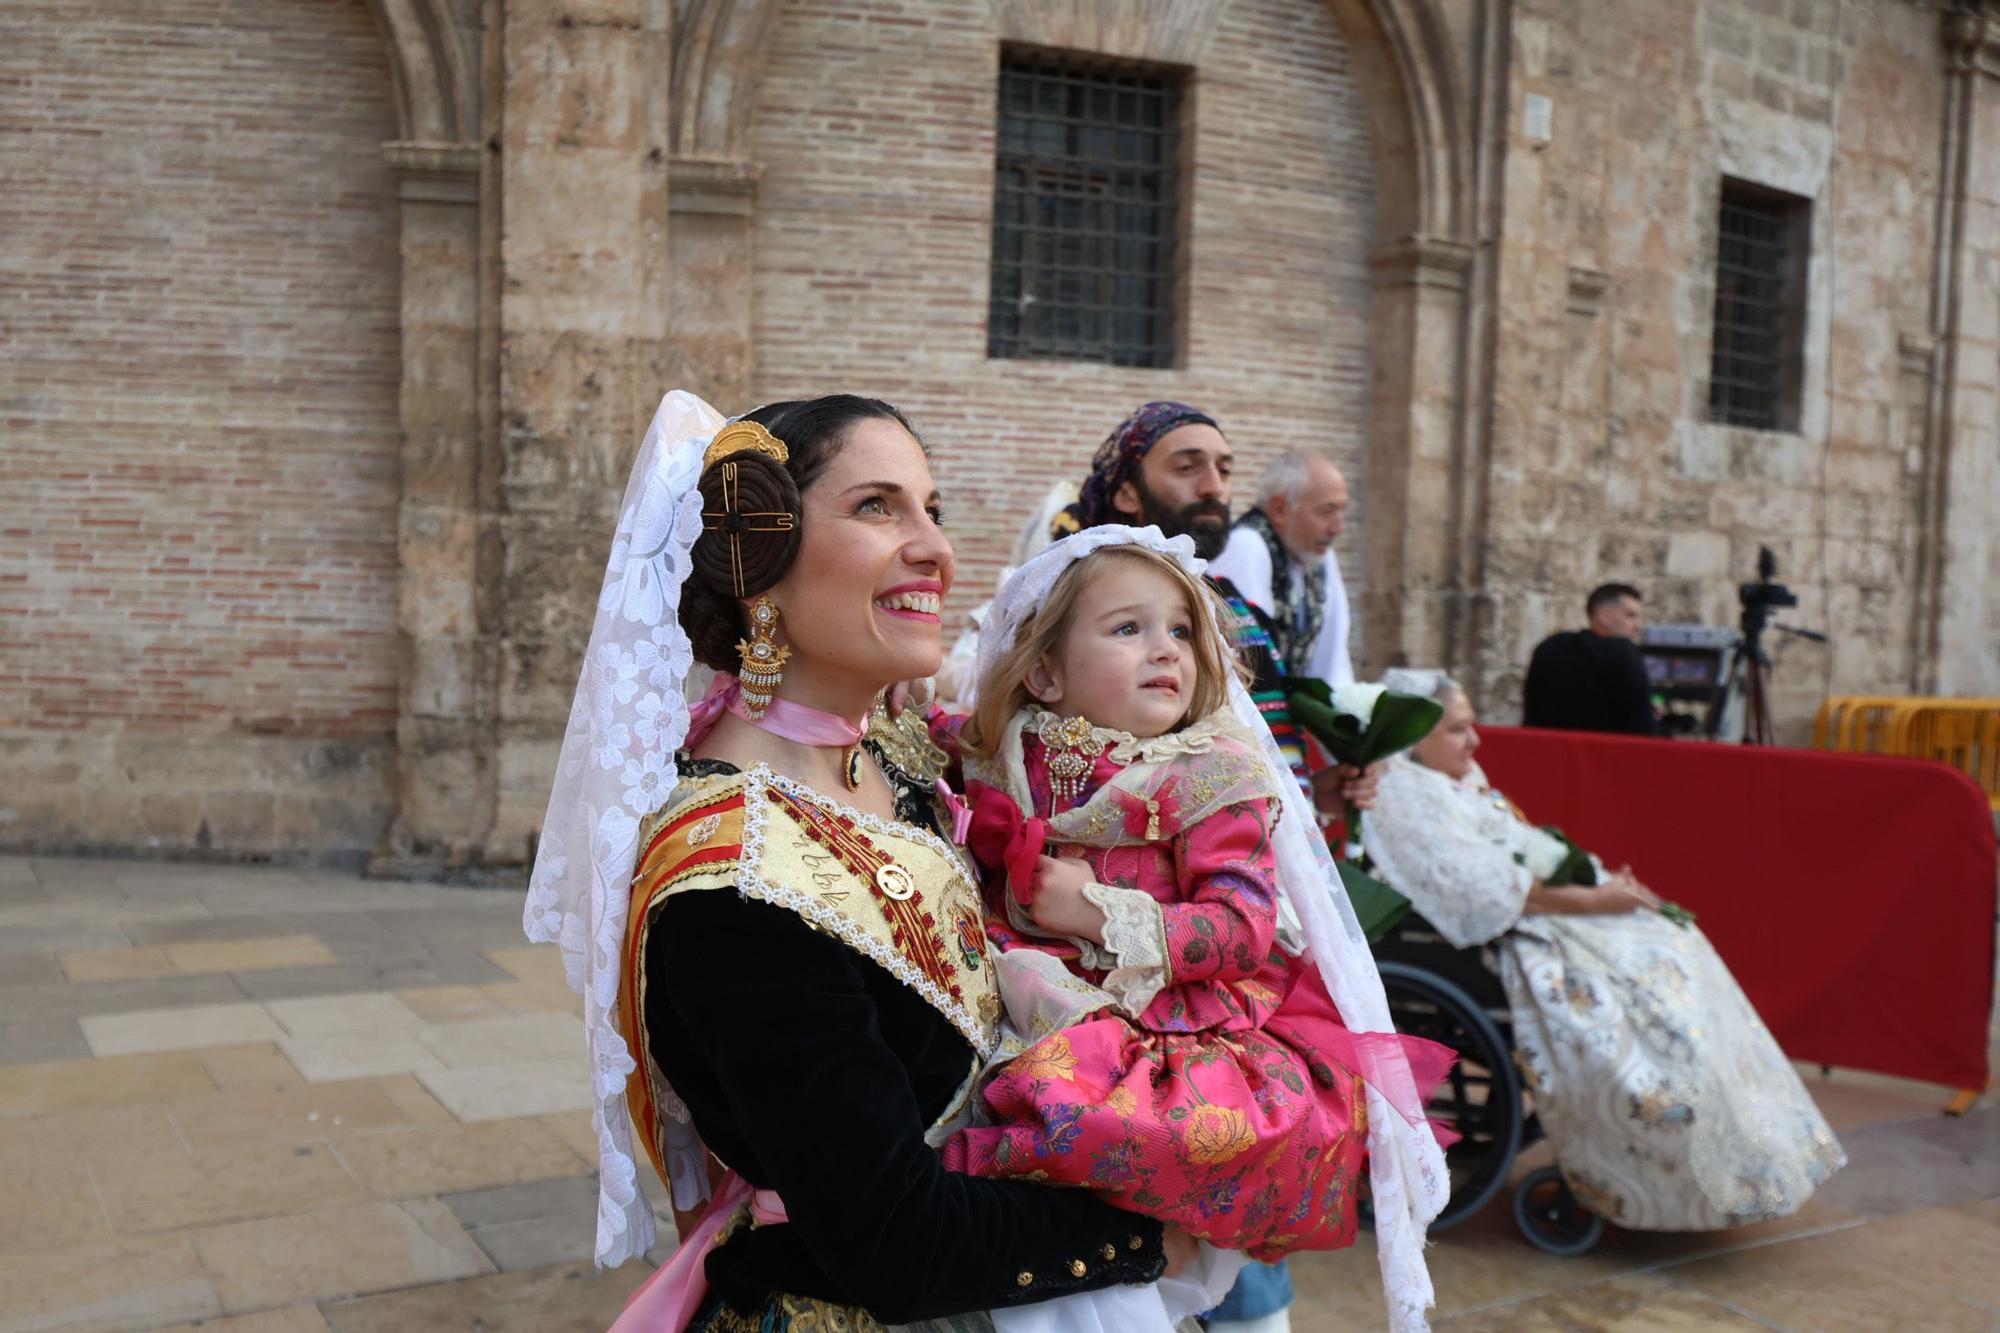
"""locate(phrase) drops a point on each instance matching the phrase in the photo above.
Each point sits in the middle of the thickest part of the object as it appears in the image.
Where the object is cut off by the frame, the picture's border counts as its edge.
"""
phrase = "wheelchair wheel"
(1480, 1098)
(1551, 1218)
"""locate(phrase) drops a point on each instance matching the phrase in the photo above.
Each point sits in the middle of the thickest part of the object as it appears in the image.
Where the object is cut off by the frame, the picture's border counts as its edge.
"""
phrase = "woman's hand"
(1182, 1250)
(1059, 906)
(1621, 892)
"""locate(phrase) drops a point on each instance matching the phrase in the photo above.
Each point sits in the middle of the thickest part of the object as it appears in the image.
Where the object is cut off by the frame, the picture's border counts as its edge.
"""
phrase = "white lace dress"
(1669, 1104)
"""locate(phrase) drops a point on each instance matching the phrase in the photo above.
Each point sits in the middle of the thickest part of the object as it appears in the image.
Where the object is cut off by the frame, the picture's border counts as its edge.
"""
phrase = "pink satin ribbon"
(795, 722)
(666, 1301)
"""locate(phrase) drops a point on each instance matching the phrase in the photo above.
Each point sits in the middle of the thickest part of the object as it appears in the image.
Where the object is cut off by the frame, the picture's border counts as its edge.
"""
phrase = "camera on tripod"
(1750, 666)
(1765, 593)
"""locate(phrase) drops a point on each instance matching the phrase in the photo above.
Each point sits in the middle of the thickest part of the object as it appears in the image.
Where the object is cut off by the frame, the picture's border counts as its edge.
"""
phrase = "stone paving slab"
(400, 1139)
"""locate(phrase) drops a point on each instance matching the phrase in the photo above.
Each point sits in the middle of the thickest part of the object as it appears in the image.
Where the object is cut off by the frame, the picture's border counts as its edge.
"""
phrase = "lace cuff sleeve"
(1134, 952)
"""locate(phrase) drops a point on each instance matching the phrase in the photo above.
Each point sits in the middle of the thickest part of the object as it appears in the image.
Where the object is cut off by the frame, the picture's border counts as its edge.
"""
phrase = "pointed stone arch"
(1434, 81)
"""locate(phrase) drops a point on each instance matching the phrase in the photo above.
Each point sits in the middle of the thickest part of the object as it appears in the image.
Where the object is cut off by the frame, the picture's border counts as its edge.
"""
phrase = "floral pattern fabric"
(1668, 1102)
(1228, 1106)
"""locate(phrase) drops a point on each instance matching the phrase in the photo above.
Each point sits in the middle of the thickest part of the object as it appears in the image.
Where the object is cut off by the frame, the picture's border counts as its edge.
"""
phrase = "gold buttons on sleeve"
(1077, 1268)
(1110, 1251)
(1024, 1278)
(1138, 1243)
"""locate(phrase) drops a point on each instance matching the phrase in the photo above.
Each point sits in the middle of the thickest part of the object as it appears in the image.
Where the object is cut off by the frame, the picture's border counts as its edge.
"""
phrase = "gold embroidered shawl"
(895, 894)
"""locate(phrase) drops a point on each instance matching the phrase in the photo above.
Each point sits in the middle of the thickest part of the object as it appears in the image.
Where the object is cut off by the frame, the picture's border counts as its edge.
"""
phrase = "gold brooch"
(738, 436)
(895, 881)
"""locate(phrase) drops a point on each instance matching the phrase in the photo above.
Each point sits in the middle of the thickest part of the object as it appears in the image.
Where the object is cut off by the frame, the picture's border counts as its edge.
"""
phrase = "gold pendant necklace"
(852, 772)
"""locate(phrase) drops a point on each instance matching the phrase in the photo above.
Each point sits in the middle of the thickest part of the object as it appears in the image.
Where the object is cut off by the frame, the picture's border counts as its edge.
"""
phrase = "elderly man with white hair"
(1280, 557)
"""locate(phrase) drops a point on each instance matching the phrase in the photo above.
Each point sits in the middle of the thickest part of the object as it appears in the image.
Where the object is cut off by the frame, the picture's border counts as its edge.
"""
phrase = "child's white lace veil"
(1406, 1169)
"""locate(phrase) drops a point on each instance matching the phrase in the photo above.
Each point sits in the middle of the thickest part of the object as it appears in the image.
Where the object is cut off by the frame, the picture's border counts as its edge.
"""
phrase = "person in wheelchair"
(1668, 1103)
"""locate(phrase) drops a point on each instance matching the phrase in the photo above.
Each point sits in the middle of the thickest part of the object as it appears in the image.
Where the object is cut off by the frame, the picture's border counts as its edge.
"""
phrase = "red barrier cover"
(1852, 895)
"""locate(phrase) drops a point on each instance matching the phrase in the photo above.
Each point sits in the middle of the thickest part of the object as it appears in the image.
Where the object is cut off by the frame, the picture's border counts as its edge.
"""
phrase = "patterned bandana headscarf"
(1118, 458)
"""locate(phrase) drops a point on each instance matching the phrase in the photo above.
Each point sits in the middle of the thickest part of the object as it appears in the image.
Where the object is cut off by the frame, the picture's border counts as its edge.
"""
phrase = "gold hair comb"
(740, 435)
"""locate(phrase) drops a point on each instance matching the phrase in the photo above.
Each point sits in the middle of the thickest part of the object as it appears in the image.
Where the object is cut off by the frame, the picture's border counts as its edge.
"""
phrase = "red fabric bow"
(1000, 836)
(1161, 818)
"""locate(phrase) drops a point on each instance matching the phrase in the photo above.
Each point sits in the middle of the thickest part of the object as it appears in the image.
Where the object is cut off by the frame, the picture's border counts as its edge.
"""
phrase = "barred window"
(1086, 210)
(1757, 365)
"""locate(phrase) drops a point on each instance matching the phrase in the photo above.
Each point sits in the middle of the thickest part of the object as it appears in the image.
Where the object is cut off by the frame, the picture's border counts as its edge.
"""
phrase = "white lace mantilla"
(616, 767)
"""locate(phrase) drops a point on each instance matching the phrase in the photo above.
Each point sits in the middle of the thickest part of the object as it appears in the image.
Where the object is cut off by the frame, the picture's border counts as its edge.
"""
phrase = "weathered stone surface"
(320, 585)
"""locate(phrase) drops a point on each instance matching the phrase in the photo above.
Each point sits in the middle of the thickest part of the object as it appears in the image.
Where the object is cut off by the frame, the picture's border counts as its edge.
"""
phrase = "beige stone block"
(178, 1029)
(302, 1114)
(357, 1055)
(574, 1128)
(448, 1004)
(335, 1252)
(1636, 1304)
(537, 964)
(513, 1039)
(447, 1159)
(256, 955)
(223, 1185)
(370, 1013)
(414, 1100)
(529, 997)
(570, 1298)
(129, 1284)
(1938, 1269)
(70, 1085)
(50, 1204)
(100, 1136)
(129, 964)
(497, 1092)
(256, 1067)
(292, 1319)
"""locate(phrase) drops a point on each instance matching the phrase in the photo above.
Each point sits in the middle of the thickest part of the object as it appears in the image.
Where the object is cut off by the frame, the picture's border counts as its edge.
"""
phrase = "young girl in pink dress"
(1168, 1045)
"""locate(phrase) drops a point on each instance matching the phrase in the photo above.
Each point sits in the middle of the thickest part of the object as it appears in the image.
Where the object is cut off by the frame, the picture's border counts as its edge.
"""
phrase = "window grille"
(1086, 211)
(1760, 263)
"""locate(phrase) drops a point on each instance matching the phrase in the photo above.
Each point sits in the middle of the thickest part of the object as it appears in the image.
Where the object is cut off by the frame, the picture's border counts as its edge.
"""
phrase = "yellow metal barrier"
(1964, 733)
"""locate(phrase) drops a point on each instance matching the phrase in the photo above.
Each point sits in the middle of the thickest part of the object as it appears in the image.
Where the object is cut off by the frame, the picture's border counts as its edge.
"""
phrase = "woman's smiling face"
(862, 600)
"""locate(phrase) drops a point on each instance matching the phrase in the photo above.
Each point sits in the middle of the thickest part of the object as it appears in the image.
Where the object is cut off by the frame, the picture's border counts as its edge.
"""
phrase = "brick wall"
(875, 130)
(198, 300)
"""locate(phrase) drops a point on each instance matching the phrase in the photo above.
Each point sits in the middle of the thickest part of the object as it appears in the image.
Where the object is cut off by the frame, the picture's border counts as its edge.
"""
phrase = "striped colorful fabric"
(1267, 686)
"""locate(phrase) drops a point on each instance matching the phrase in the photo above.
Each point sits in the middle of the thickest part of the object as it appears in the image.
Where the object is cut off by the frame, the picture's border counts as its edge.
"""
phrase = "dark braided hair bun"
(812, 430)
(755, 545)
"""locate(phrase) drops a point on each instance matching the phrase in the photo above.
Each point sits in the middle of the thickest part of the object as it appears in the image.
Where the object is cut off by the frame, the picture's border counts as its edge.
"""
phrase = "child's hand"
(1059, 906)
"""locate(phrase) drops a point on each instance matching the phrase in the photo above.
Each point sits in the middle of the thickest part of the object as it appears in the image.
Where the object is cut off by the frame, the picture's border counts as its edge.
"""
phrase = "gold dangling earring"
(763, 659)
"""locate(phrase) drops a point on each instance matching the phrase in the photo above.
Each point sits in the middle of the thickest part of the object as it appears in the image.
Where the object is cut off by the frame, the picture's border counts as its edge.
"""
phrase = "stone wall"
(1605, 463)
(874, 131)
(198, 289)
(323, 377)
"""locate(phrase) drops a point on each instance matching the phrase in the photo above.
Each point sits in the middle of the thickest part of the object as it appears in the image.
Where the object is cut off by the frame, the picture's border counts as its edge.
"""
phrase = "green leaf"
(1376, 904)
(1575, 867)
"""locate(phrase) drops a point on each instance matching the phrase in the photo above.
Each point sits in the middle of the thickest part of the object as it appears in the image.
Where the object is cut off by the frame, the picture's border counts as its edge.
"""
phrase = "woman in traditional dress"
(1669, 1105)
(780, 951)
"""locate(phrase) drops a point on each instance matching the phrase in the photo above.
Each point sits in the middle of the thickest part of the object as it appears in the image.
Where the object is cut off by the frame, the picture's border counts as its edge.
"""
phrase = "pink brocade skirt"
(1252, 1140)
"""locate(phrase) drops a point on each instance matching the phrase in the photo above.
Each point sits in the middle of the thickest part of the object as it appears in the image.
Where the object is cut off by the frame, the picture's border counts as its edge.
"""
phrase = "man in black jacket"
(1594, 679)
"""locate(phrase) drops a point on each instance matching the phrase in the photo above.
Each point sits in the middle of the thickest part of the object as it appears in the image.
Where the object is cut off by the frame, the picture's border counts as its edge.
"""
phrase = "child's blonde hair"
(1003, 690)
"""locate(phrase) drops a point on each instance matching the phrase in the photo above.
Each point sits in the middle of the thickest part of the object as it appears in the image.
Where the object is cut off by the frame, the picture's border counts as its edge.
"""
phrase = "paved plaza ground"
(274, 1101)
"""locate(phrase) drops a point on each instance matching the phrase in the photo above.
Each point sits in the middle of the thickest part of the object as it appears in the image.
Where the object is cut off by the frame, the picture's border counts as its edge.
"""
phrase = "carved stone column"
(712, 204)
(1958, 651)
(444, 727)
(1421, 287)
